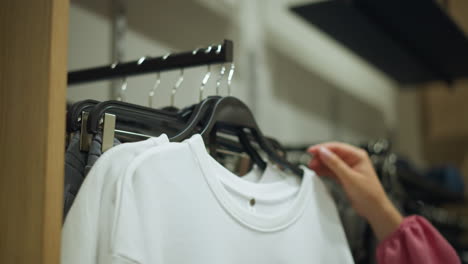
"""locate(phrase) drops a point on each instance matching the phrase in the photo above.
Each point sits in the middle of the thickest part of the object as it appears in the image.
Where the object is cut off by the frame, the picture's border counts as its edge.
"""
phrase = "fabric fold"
(416, 241)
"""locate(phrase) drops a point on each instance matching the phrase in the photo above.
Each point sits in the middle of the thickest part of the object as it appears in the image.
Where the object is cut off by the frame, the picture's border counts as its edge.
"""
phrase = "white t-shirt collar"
(219, 178)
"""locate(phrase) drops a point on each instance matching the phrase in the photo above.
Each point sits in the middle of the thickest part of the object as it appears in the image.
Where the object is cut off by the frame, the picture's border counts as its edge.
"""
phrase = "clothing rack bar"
(214, 55)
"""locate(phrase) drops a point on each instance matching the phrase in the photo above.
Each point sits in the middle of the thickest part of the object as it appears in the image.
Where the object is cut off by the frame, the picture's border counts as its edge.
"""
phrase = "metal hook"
(123, 89)
(153, 89)
(229, 81)
(205, 81)
(156, 84)
(208, 50)
(195, 51)
(176, 86)
(141, 60)
(166, 56)
(218, 82)
(220, 47)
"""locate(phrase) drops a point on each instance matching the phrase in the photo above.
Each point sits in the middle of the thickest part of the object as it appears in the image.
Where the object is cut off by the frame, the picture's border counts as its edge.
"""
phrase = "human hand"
(352, 168)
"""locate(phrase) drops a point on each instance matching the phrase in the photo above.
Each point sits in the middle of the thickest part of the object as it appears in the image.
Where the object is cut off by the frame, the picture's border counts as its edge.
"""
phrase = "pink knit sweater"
(416, 241)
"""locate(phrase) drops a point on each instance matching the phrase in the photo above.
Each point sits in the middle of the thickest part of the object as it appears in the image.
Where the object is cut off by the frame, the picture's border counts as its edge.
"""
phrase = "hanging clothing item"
(90, 219)
(179, 205)
(75, 162)
(77, 165)
(95, 151)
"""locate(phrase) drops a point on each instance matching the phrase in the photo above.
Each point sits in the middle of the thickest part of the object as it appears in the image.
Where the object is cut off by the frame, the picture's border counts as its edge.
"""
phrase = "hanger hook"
(156, 84)
(165, 56)
(153, 89)
(205, 81)
(230, 76)
(113, 65)
(208, 50)
(195, 51)
(141, 60)
(176, 86)
(220, 47)
(218, 81)
(123, 89)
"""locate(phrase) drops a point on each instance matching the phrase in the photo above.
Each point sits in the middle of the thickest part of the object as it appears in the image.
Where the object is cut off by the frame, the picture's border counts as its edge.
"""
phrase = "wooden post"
(33, 51)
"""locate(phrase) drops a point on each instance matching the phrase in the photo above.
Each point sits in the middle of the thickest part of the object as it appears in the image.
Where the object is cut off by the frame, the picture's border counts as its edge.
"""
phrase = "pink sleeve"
(416, 241)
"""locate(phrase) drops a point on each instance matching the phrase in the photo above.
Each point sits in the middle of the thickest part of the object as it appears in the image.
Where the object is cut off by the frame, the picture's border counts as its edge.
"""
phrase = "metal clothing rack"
(214, 54)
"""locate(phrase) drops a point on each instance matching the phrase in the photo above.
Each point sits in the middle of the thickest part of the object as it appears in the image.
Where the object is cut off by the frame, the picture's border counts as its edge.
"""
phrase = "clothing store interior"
(236, 131)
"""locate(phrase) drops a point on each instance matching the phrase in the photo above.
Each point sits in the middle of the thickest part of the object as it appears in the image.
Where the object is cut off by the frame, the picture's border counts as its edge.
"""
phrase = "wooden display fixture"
(33, 52)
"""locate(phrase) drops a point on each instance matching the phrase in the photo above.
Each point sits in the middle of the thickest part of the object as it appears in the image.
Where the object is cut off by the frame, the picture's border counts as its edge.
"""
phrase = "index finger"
(337, 147)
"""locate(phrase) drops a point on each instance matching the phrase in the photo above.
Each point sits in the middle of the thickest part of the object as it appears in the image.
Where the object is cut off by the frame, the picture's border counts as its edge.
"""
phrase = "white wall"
(314, 50)
(89, 44)
(297, 99)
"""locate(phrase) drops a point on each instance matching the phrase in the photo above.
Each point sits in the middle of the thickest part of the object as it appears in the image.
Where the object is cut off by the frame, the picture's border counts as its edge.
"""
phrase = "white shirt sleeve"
(79, 233)
(82, 234)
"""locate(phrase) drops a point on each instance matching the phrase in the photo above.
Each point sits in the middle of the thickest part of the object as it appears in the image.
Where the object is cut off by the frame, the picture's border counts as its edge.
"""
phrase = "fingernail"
(325, 153)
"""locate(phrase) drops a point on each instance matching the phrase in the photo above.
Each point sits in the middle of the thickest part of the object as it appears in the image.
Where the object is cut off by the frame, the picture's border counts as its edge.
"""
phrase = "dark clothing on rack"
(75, 162)
(95, 151)
(77, 165)
(449, 177)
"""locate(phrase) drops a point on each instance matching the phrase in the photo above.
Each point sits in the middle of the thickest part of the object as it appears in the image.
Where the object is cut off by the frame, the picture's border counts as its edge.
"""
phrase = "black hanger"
(134, 117)
(201, 112)
(196, 113)
(245, 141)
(229, 113)
(145, 120)
(75, 111)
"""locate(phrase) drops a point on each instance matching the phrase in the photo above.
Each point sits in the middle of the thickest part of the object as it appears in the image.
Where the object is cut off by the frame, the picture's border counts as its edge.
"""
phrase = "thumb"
(335, 164)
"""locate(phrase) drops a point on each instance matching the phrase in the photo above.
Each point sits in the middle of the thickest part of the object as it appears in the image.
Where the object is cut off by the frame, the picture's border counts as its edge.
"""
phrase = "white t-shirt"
(86, 231)
(179, 205)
